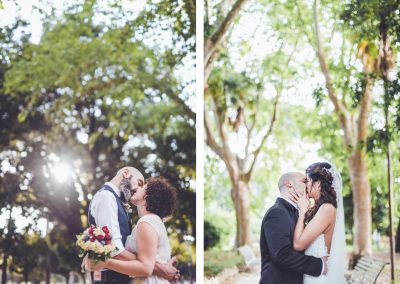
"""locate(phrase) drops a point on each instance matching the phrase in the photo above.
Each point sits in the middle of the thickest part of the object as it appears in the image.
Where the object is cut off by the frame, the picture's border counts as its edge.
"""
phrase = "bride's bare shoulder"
(327, 209)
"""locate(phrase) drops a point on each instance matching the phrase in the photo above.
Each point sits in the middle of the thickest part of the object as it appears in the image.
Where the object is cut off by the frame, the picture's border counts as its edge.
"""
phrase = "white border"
(199, 142)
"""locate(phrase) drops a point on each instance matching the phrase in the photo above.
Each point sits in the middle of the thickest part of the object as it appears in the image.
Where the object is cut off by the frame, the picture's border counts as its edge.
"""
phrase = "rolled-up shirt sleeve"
(104, 209)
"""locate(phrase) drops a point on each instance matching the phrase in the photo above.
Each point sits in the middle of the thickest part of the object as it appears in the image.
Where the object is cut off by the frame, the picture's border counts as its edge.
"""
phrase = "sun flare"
(61, 172)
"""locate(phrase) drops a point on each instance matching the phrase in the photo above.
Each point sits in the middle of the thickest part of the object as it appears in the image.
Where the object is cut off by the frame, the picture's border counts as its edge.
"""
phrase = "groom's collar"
(289, 201)
(114, 187)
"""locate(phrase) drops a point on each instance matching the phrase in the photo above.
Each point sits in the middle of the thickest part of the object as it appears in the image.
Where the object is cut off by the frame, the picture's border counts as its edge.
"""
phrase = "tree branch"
(223, 151)
(266, 135)
(209, 65)
(211, 44)
(340, 109)
(253, 124)
(184, 106)
(210, 139)
(300, 15)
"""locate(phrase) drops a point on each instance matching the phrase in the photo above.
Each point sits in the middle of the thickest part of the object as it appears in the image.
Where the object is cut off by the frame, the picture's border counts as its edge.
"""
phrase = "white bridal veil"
(337, 260)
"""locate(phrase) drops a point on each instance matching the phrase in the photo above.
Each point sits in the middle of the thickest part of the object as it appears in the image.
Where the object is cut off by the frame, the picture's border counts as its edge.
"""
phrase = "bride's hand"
(302, 200)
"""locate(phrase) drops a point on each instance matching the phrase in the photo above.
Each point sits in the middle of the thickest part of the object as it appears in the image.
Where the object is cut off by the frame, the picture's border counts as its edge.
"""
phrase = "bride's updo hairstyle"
(160, 197)
(320, 172)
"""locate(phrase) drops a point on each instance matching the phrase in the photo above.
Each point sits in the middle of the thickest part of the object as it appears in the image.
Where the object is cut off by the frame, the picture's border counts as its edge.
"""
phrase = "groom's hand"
(325, 265)
(167, 271)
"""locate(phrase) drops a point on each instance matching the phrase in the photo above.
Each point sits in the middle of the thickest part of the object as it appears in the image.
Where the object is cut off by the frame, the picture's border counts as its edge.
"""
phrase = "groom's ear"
(288, 184)
(125, 173)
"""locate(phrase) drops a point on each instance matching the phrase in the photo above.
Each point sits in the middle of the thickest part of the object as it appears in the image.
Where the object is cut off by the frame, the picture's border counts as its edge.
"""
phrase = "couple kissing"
(144, 252)
(303, 241)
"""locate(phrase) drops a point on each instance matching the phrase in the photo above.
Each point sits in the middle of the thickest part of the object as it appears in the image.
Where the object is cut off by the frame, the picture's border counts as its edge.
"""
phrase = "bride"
(149, 239)
(320, 228)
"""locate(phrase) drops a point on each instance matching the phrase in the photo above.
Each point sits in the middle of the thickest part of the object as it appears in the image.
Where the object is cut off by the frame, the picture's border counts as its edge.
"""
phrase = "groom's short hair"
(285, 177)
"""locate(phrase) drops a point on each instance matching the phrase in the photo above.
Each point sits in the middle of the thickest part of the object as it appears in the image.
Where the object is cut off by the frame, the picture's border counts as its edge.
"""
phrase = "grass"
(216, 261)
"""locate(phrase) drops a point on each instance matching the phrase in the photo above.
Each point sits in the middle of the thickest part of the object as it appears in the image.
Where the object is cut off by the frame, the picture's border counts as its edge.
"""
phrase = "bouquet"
(95, 242)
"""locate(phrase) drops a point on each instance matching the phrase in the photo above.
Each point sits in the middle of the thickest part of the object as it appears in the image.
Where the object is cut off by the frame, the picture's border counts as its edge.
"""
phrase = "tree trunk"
(362, 203)
(48, 276)
(83, 278)
(241, 201)
(4, 269)
(398, 237)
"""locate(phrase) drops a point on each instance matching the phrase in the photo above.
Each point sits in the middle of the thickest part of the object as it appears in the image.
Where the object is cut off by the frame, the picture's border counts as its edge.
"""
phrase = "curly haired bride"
(320, 228)
(149, 239)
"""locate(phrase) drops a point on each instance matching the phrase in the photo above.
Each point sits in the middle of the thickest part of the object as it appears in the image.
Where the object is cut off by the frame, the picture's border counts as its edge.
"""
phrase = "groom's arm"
(167, 271)
(276, 228)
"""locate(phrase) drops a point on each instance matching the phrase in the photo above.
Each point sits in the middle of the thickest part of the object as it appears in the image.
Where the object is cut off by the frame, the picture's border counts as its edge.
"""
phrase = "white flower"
(98, 232)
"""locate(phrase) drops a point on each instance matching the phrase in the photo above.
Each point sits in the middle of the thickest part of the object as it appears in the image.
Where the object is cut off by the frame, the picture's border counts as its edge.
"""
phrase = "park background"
(289, 83)
(87, 87)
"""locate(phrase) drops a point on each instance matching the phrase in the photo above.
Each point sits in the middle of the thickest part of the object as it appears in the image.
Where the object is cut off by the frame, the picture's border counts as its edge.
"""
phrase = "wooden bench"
(366, 271)
(248, 255)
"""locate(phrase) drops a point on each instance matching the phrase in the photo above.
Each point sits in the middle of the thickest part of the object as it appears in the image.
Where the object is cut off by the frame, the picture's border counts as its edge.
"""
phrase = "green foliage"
(364, 17)
(211, 235)
(96, 96)
(319, 94)
(217, 261)
(242, 70)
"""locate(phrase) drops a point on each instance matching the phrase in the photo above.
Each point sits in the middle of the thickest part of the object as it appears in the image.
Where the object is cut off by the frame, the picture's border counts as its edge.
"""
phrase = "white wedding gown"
(337, 258)
(317, 249)
(163, 249)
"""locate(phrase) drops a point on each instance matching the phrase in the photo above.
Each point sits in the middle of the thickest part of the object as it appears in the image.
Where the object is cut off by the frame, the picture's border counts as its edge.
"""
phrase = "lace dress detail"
(317, 249)
(163, 249)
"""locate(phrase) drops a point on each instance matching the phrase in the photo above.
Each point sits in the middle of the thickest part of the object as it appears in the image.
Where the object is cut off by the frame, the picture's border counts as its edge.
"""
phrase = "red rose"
(108, 242)
(92, 239)
(100, 237)
(108, 236)
(91, 231)
(105, 230)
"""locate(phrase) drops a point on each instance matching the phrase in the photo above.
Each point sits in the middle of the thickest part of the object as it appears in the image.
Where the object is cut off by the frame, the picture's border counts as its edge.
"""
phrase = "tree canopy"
(105, 86)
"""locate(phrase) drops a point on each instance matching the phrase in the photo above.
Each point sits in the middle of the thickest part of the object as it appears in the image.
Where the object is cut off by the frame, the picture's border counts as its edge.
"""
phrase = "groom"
(280, 263)
(107, 209)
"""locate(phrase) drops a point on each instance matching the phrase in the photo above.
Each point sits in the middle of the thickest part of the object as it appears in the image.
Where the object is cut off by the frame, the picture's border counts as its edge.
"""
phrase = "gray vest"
(123, 218)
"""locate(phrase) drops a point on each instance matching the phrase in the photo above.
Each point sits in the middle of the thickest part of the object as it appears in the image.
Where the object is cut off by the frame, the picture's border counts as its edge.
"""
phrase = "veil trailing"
(337, 260)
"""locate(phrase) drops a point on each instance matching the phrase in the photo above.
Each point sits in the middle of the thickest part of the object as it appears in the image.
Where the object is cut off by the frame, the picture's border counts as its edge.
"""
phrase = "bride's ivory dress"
(163, 249)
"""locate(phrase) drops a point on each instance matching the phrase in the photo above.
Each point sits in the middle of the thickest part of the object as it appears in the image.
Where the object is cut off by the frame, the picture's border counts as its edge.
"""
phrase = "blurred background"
(87, 87)
(289, 83)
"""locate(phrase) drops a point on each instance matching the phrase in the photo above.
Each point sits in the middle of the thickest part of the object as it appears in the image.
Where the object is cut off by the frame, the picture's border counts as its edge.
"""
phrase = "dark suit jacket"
(280, 263)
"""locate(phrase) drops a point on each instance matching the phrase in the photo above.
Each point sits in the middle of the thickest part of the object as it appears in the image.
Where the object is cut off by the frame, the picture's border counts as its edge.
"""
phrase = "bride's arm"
(143, 266)
(304, 236)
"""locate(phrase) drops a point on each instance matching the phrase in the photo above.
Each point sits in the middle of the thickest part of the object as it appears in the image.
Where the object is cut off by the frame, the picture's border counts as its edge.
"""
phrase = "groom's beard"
(125, 188)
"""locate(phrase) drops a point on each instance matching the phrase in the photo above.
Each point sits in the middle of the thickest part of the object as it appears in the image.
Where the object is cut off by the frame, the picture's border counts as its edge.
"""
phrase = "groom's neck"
(284, 193)
(115, 182)
(286, 197)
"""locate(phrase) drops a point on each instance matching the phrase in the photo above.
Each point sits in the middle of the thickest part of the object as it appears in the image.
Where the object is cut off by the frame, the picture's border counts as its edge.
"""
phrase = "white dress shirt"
(290, 201)
(297, 207)
(104, 209)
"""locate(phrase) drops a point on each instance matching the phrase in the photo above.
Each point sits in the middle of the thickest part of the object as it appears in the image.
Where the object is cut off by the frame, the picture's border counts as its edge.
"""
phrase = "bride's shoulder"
(327, 209)
(150, 218)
